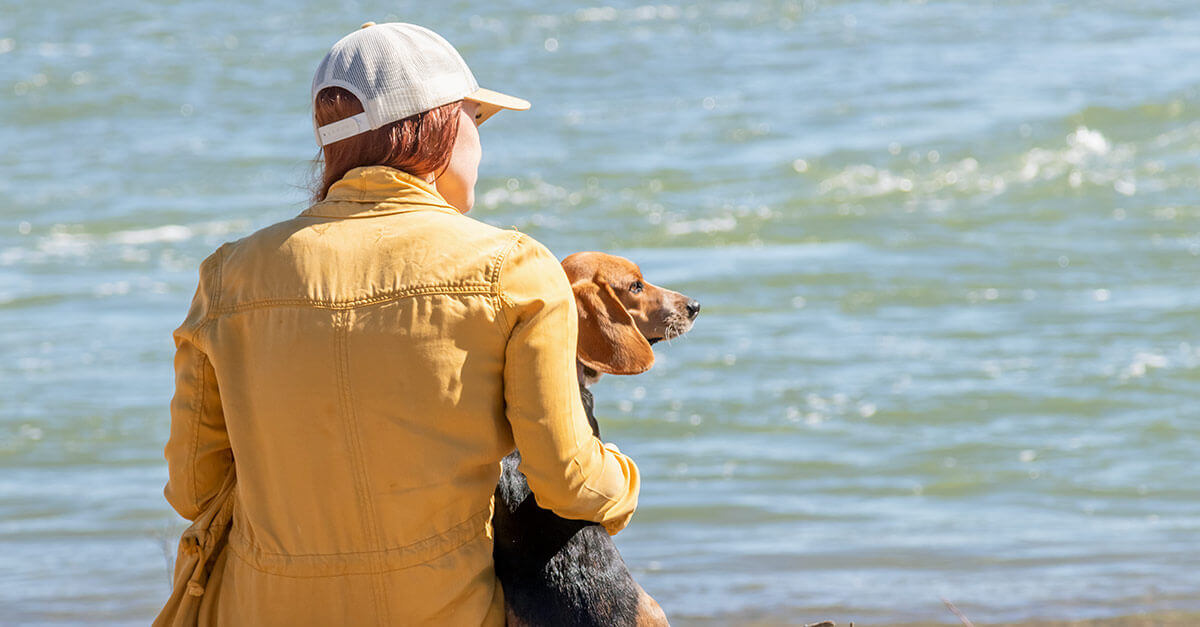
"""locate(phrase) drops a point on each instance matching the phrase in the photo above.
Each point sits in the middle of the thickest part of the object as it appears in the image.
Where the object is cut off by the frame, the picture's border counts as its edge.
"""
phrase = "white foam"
(1143, 363)
(168, 233)
(1089, 157)
(703, 225)
(60, 244)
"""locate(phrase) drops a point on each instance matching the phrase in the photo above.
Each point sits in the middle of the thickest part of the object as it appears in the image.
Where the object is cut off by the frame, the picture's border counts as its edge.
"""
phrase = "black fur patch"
(557, 571)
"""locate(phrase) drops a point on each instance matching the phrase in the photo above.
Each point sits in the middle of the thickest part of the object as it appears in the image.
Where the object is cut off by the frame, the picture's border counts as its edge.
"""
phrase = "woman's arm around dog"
(570, 471)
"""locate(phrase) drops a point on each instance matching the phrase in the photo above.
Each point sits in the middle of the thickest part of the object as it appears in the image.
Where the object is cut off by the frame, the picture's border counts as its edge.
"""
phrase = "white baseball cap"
(397, 70)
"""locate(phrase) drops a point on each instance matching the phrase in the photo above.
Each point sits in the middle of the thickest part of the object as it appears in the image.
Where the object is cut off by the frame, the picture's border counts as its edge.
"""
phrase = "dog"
(556, 571)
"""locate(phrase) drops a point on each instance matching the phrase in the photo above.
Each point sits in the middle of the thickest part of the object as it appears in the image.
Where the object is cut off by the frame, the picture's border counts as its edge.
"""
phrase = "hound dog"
(556, 571)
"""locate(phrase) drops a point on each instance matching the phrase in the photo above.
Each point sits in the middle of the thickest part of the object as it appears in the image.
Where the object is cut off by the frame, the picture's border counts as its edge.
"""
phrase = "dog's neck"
(587, 375)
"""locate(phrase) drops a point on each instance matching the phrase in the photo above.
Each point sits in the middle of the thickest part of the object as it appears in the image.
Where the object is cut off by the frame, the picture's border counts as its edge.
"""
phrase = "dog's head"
(621, 314)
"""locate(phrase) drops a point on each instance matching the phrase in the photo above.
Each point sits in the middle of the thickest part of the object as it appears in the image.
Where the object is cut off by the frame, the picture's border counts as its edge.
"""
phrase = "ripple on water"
(947, 345)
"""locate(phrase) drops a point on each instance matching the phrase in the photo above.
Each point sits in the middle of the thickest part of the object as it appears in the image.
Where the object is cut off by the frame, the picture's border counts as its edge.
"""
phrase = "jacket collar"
(378, 190)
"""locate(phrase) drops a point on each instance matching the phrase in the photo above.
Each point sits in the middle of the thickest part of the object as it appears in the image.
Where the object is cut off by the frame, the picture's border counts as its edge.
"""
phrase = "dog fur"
(556, 571)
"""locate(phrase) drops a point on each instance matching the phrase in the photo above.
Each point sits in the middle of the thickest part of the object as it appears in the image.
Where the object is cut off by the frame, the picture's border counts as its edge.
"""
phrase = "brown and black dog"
(556, 571)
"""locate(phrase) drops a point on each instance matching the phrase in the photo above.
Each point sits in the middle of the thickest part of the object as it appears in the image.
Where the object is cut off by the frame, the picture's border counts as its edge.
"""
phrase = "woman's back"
(357, 357)
(341, 341)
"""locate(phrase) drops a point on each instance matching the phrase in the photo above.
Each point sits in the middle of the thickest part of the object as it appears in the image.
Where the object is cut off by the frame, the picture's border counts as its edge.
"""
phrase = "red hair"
(418, 144)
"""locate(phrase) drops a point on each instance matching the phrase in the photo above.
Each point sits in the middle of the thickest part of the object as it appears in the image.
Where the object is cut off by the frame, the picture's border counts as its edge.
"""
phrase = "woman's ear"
(609, 341)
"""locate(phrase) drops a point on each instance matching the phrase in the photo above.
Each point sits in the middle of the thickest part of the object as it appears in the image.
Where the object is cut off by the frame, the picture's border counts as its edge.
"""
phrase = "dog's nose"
(693, 308)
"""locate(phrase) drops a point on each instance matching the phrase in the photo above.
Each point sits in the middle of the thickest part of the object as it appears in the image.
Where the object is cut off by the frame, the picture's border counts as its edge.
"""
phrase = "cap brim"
(491, 102)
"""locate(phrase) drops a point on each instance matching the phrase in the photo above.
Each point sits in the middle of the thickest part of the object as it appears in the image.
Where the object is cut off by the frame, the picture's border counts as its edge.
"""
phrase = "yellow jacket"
(365, 366)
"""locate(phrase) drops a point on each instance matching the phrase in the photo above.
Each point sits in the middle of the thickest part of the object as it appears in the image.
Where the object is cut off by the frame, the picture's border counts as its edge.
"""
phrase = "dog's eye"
(636, 288)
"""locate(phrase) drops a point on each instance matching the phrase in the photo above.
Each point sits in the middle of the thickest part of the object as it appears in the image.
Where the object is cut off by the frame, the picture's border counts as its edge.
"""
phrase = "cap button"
(366, 24)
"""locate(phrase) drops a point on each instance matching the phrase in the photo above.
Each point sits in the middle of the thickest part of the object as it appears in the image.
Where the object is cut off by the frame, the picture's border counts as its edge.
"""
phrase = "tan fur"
(649, 612)
(609, 341)
(617, 321)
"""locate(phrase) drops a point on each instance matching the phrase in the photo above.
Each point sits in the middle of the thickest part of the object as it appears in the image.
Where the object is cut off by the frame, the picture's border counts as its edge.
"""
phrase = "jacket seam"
(460, 533)
(585, 484)
(484, 289)
(498, 292)
(197, 419)
(212, 288)
(195, 334)
(469, 520)
(216, 289)
(354, 440)
(276, 572)
(311, 212)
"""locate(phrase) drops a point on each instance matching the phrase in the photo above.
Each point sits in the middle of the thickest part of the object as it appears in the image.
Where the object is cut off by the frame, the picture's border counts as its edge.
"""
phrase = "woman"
(365, 366)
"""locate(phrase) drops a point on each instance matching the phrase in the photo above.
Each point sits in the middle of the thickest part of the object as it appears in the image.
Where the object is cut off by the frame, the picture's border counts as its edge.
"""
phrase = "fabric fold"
(199, 545)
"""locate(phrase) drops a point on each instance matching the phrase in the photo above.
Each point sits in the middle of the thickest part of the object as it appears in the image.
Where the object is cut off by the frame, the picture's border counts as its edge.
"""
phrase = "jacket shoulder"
(530, 276)
(475, 248)
(341, 261)
(208, 294)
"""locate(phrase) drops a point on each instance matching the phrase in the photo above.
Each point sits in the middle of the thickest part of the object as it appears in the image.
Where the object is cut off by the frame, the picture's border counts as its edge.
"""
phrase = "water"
(947, 254)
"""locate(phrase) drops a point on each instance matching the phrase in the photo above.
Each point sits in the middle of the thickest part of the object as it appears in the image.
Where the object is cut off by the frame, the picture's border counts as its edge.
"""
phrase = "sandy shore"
(1150, 619)
(1154, 619)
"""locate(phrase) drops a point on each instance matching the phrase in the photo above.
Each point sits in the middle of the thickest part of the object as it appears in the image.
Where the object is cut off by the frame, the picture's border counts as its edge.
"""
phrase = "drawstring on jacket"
(197, 546)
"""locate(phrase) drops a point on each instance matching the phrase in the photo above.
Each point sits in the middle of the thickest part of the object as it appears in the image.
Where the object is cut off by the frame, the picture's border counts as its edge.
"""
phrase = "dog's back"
(556, 571)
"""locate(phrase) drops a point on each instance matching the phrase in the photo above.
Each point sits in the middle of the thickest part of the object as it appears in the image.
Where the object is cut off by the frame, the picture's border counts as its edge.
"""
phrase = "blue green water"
(947, 253)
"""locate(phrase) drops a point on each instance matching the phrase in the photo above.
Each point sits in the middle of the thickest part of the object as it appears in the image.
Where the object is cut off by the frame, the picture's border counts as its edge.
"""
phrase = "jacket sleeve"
(198, 451)
(570, 471)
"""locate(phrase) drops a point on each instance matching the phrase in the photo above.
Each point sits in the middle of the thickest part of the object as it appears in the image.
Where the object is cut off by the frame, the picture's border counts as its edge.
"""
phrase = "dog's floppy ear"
(609, 341)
